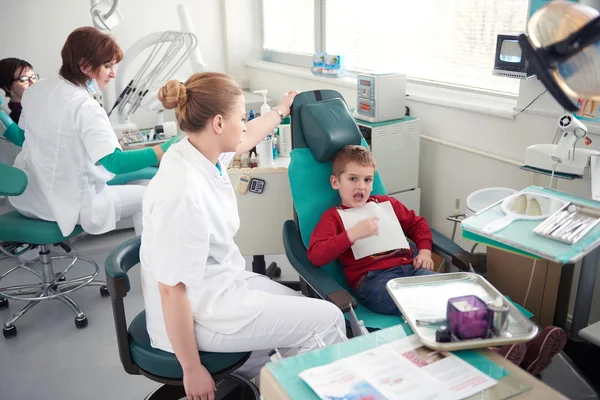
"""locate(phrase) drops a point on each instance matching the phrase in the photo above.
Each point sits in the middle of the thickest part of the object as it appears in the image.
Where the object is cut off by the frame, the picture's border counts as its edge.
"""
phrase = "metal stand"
(53, 286)
(259, 266)
(585, 292)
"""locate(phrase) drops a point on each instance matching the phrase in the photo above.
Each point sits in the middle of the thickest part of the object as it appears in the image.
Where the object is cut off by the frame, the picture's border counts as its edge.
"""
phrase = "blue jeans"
(371, 291)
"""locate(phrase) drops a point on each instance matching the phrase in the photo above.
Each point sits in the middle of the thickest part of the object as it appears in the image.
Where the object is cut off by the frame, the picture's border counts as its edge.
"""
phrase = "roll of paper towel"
(170, 129)
(264, 151)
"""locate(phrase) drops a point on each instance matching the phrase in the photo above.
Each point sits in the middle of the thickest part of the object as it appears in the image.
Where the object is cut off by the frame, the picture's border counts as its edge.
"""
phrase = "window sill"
(492, 105)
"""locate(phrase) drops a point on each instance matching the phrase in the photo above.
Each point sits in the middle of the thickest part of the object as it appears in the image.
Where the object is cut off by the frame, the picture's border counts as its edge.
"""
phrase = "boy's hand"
(365, 228)
(423, 260)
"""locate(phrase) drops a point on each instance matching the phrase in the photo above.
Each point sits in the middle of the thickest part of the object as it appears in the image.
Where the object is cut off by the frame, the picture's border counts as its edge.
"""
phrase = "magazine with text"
(403, 369)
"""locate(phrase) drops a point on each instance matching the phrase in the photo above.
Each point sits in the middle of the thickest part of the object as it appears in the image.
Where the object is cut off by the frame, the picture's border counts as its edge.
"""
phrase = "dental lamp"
(562, 47)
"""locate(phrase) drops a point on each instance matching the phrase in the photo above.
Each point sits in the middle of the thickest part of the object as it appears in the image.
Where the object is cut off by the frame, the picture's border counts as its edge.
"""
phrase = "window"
(288, 26)
(446, 41)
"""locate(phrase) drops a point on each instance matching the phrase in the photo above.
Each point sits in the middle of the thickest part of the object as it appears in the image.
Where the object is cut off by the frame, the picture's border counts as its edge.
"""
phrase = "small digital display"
(365, 83)
(510, 51)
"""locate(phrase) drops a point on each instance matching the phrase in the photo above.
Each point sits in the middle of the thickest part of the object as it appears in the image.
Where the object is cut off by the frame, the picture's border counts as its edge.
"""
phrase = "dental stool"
(17, 230)
(140, 358)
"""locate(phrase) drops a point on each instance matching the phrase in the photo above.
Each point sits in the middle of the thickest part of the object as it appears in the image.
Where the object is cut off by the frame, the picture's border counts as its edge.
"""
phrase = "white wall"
(446, 173)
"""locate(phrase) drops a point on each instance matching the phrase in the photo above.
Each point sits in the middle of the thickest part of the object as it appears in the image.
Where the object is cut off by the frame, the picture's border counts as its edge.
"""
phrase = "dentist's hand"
(286, 102)
(365, 228)
(199, 384)
(423, 260)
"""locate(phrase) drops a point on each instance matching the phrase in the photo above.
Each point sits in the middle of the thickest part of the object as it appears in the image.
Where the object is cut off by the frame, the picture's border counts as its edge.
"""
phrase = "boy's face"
(355, 184)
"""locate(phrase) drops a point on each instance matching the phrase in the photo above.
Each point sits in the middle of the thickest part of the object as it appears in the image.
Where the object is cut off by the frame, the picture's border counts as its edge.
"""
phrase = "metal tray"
(425, 298)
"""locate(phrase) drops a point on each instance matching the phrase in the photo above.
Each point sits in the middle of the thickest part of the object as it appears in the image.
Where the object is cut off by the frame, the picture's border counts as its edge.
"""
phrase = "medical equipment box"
(395, 145)
(380, 97)
(509, 61)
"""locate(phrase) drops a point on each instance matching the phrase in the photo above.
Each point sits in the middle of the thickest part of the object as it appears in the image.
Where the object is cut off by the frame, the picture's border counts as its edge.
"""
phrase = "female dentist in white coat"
(70, 150)
(197, 292)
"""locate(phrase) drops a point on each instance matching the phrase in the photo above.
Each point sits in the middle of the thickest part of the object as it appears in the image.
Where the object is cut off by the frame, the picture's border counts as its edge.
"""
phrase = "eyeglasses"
(26, 79)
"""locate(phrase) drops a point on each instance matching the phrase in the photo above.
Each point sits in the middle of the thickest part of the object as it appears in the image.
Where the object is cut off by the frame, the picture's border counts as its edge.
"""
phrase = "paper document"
(403, 369)
(390, 237)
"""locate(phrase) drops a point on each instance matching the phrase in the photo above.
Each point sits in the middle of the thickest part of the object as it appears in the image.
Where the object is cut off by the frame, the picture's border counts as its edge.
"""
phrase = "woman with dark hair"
(16, 76)
(71, 150)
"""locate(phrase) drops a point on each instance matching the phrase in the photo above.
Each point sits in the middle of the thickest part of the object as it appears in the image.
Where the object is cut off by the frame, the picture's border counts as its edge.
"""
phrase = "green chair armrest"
(443, 246)
(121, 260)
(317, 278)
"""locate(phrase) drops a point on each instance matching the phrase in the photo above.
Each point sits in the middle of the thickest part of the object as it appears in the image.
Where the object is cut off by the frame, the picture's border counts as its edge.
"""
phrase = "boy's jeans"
(371, 291)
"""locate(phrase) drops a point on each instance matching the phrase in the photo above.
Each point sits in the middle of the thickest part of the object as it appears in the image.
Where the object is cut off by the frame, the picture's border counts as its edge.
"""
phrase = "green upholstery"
(16, 228)
(324, 139)
(165, 364)
(309, 176)
(13, 182)
(122, 259)
(443, 245)
(143, 174)
(134, 342)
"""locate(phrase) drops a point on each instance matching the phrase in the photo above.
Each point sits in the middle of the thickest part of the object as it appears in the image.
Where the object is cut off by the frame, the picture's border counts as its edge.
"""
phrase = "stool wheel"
(9, 332)
(104, 291)
(81, 322)
(3, 304)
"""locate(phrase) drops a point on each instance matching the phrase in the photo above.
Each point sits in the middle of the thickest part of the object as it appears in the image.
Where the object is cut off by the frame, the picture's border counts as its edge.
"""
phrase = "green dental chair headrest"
(328, 126)
(321, 125)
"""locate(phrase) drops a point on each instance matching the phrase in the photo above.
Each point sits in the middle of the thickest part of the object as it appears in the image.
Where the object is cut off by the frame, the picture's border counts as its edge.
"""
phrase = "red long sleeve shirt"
(329, 241)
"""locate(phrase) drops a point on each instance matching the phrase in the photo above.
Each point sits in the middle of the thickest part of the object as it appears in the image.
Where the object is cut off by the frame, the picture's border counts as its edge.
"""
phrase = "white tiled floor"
(51, 359)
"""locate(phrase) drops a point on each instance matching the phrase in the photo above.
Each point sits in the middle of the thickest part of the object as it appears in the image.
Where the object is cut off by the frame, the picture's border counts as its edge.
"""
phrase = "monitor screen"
(510, 51)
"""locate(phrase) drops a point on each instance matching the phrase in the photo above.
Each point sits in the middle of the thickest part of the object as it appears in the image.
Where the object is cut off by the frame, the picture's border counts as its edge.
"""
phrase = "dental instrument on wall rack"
(169, 50)
(167, 56)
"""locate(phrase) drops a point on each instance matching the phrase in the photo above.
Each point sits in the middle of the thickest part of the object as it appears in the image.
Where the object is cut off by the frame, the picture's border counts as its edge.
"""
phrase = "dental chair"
(140, 358)
(322, 125)
(16, 231)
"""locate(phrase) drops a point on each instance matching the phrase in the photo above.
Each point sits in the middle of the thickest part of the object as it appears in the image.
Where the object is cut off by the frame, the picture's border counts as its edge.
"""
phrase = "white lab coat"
(67, 132)
(190, 217)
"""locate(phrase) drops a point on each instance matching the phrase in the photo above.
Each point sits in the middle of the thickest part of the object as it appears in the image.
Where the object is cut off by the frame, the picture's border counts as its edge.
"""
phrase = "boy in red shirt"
(353, 172)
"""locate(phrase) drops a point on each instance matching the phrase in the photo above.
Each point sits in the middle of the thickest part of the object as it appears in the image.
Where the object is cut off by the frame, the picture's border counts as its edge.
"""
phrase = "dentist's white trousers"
(289, 320)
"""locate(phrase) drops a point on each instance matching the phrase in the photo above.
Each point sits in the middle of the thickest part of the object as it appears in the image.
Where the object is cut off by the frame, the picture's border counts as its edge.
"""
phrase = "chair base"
(53, 286)
(232, 387)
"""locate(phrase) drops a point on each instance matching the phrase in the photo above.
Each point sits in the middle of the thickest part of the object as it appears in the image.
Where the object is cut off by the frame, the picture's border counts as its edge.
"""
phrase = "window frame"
(305, 61)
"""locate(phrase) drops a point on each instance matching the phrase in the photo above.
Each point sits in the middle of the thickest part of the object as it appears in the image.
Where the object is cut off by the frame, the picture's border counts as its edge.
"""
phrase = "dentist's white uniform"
(66, 133)
(190, 217)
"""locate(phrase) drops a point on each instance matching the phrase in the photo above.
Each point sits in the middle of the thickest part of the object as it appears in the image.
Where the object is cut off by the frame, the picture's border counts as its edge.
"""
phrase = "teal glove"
(10, 130)
(165, 146)
(5, 119)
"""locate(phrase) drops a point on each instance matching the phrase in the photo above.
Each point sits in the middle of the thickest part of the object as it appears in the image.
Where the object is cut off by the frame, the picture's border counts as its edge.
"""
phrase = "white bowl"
(482, 198)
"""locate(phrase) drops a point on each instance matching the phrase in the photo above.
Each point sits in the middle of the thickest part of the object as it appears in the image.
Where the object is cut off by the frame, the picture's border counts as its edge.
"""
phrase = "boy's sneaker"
(542, 349)
(514, 353)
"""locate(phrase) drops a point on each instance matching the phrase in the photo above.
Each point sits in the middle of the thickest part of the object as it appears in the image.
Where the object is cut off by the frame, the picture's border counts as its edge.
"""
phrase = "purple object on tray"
(468, 317)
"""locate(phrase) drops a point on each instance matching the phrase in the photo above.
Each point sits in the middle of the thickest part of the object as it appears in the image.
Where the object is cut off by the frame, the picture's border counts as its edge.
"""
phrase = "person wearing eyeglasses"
(70, 151)
(16, 76)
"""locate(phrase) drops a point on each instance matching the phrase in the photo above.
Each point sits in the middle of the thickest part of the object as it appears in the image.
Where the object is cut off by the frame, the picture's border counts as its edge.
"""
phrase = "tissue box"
(468, 317)
(318, 63)
(334, 66)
